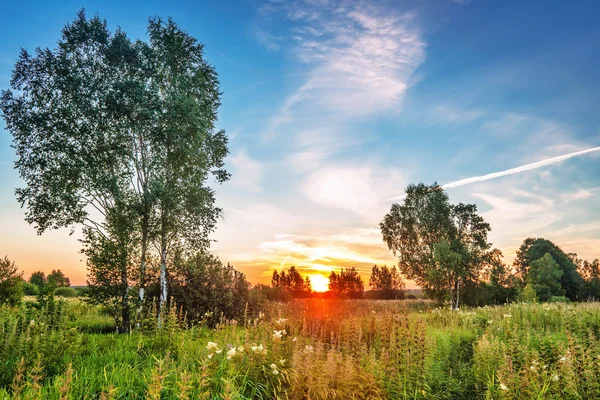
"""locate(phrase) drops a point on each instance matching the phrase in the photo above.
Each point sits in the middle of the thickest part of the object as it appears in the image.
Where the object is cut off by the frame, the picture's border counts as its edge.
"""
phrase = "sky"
(333, 107)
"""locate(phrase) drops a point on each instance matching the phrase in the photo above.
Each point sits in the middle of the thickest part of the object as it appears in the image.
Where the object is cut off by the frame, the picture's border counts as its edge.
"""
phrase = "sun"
(319, 282)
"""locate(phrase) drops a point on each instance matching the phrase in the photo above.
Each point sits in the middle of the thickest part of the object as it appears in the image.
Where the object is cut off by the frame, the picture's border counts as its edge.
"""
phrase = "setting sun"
(319, 282)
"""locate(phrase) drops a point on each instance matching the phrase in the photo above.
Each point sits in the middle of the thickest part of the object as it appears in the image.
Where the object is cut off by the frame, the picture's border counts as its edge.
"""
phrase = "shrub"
(11, 283)
(65, 292)
(30, 289)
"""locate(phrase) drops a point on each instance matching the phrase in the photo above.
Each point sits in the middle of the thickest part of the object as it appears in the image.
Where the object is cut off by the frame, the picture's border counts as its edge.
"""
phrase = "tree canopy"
(534, 249)
(439, 245)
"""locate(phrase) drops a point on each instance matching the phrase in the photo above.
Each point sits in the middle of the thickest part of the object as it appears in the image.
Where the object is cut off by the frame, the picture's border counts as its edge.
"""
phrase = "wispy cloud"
(356, 189)
(512, 171)
(356, 60)
(247, 172)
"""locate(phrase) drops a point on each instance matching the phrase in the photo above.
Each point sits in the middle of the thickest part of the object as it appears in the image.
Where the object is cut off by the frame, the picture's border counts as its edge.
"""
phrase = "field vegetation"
(306, 349)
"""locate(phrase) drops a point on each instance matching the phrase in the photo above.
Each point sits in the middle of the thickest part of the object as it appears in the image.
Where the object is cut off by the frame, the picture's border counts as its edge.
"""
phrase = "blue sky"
(332, 107)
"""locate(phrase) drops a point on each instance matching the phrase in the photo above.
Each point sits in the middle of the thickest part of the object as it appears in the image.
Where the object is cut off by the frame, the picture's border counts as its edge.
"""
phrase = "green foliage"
(11, 282)
(533, 249)
(208, 291)
(426, 220)
(544, 275)
(130, 135)
(529, 294)
(65, 292)
(347, 284)
(323, 349)
(386, 283)
(38, 279)
(590, 272)
(58, 279)
(30, 289)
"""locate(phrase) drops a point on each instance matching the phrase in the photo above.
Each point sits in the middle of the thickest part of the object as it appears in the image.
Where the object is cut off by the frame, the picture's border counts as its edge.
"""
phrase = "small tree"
(205, 289)
(386, 282)
(292, 282)
(11, 283)
(590, 272)
(439, 245)
(38, 279)
(544, 275)
(58, 279)
(347, 283)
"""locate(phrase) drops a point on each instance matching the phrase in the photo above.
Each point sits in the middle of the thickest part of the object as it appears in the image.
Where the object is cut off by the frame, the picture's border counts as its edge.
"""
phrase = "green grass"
(330, 349)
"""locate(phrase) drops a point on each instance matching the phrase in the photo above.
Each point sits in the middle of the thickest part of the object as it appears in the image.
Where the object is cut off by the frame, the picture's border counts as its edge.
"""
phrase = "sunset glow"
(319, 282)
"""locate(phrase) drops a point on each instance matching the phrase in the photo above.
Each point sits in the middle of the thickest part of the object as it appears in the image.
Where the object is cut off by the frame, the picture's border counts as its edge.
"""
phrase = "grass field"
(313, 349)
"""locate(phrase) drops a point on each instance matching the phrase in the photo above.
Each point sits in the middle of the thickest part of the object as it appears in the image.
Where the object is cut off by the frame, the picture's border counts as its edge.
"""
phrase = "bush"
(11, 283)
(559, 299)
(30, 289)
(65, 292)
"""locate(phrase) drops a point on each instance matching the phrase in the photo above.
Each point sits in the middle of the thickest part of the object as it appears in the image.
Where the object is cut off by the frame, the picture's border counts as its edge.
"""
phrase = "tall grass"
(310, 349)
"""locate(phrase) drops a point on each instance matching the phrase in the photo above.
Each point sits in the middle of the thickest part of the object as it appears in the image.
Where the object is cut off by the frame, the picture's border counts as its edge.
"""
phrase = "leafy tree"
(70, 131)
(533, 249)
(386, 282)
(186, 147)
(292, 282)
(501, 286)
(65, 291)
(58, 279)
(439, 245)
(529, 295)
(30, 289)
(205, 289)
(544, 275)
(347, 283)
(103, 125)
(590, 272)
(110, 261)
(11, 283)
(38, 278)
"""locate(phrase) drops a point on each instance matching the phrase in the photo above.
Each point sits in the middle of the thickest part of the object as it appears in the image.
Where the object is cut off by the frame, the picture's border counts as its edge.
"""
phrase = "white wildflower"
(295, 338)
(218, 351)
(282, 361)
(503, 387)
(562, 359)
(210, 356)
(281, 321)
(212, 346)
(274, 369)
(308, 349)
(555, 378)
(240, 349)
(231, 353)
(277, 335)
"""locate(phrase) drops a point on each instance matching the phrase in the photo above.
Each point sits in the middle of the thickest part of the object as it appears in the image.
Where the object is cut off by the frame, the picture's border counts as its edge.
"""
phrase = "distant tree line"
(444, 248)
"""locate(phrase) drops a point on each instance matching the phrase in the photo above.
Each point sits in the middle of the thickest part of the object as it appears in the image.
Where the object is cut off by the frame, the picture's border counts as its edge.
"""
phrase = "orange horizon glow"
(319, 282)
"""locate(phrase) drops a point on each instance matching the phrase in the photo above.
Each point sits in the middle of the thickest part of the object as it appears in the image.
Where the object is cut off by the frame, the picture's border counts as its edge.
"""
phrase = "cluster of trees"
(118, 136)
(445, 249)
(292, 282)
(13, 287)
(347, 283)
(39, 283)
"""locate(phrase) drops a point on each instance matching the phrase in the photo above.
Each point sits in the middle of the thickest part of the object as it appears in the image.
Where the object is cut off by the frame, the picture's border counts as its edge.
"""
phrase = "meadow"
(306, 349)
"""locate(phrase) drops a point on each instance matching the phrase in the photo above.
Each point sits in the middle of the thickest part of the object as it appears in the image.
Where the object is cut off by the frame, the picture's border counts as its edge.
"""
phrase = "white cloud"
(358, 61)
(357, 189)
(247, 173)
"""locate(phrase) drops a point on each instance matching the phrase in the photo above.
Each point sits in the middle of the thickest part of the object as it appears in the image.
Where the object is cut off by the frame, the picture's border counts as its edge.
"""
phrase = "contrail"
(522, 168)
